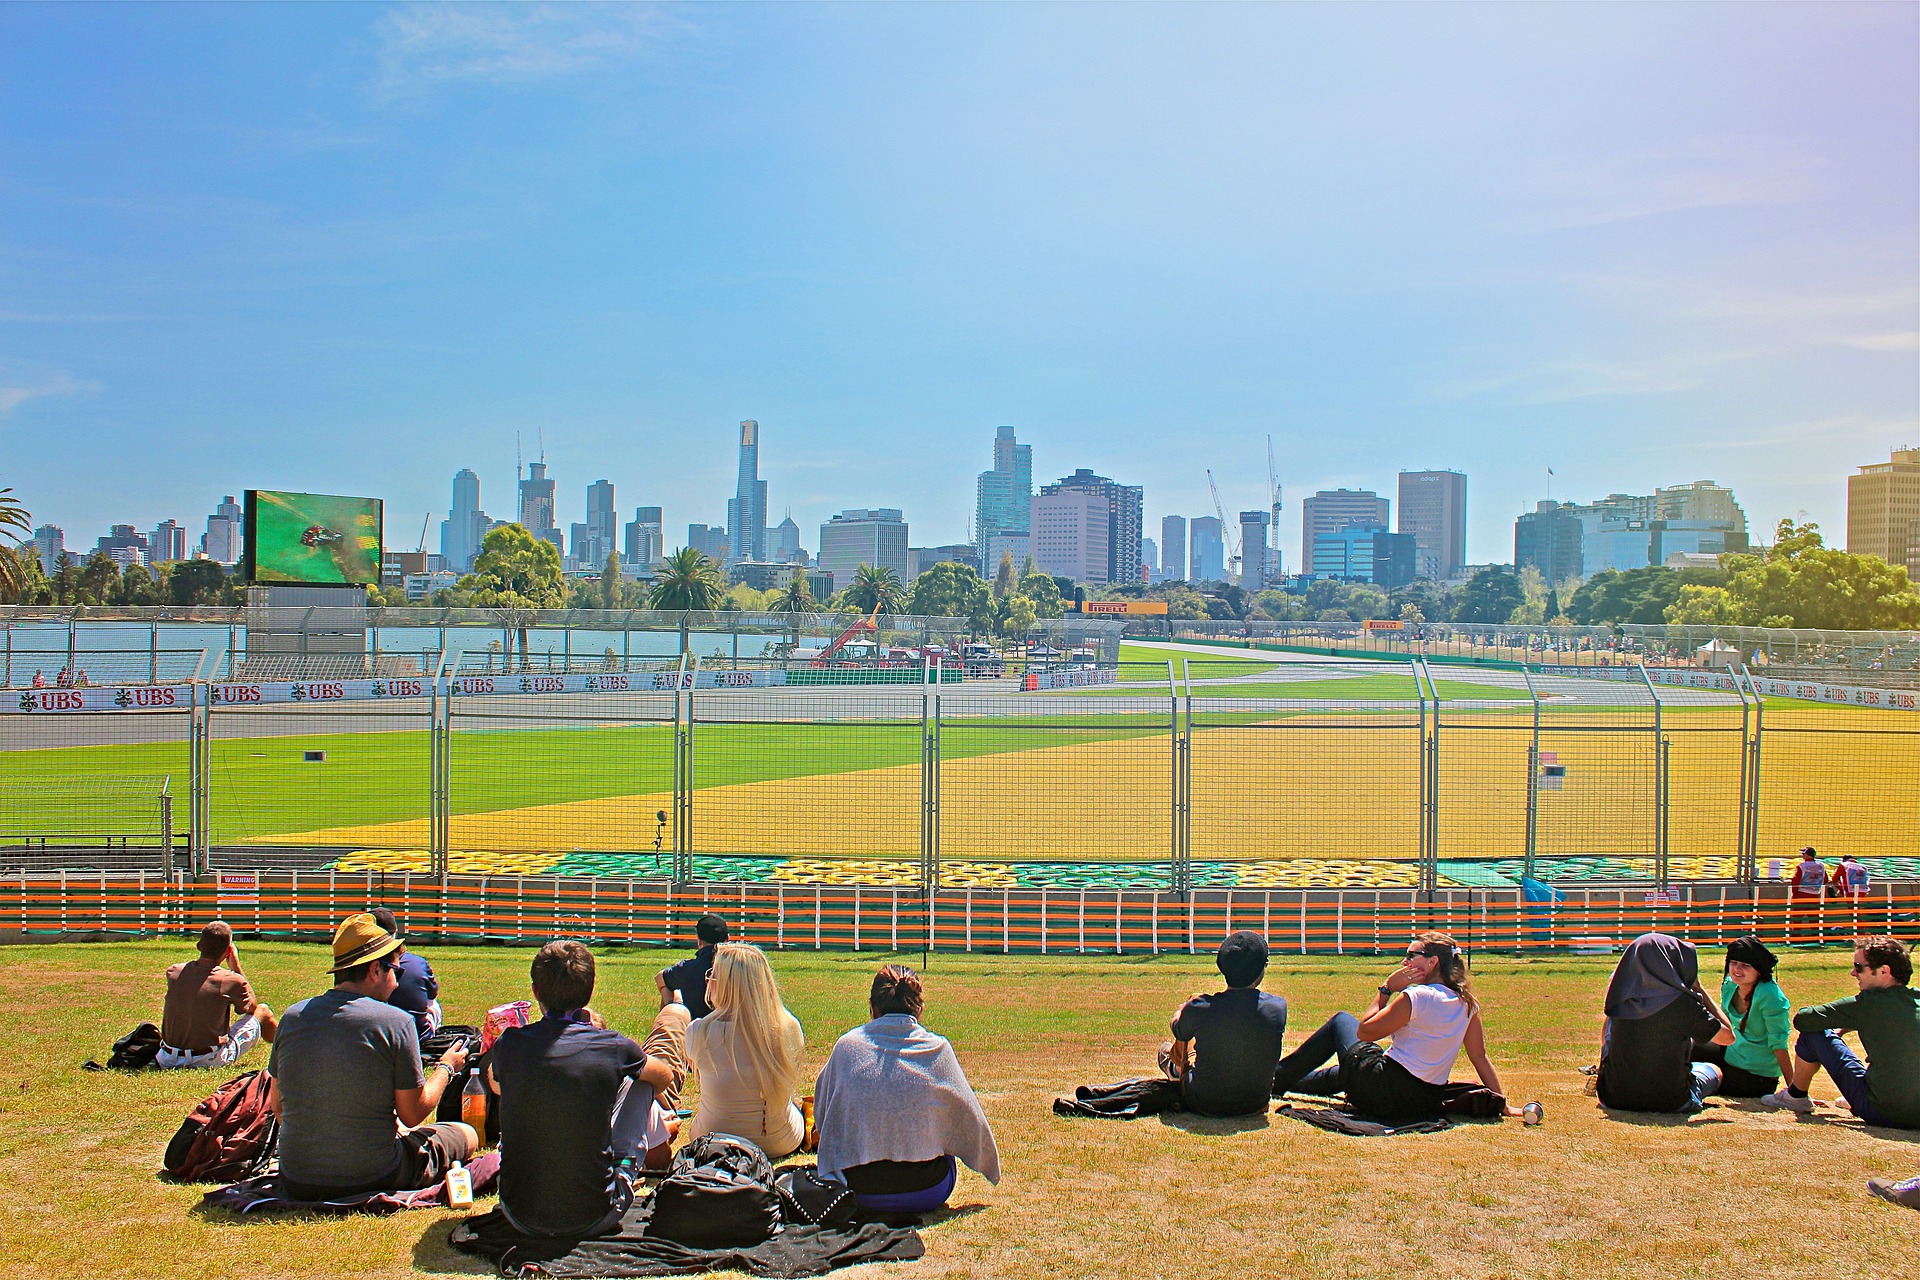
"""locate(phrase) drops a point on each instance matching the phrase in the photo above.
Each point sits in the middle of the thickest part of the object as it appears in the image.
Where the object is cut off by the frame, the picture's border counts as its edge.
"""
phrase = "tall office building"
(1173, 548)
(466, 525)
(709, 540)
(644, 543)
(1208, 553)
(1363, 553)
(593, 539)
(1253, 549)
(49, 543)
(1550, 538)
(1003, 502)
(536, 505)
(1883, 510)
(747, 509)
(858, 536)
(786, 540)
(225, 535)
(168, 541)
(1070, 528)
(1331, 510)
(1149, 560)
(1433, 508)
(1124, 520)
(122, 545)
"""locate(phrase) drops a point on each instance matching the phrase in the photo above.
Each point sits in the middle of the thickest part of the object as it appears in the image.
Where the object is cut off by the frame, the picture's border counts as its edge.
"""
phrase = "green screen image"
(313, 538)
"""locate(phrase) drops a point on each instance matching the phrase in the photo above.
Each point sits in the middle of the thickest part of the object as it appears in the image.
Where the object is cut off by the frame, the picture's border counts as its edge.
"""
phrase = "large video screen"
(312, 539)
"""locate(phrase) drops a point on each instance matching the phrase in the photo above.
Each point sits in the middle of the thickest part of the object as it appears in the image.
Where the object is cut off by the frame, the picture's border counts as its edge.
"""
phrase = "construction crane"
(1273, 497)
(423, 533)
(1229, 534)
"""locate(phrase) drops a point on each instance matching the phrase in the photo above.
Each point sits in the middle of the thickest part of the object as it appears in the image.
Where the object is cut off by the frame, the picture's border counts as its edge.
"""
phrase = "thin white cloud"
(423, 45)
(1695, 173)
(13, 396)
(1559, 381)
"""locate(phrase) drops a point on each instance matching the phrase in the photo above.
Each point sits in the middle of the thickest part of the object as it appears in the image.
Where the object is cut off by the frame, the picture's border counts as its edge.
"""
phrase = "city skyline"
(355, 249)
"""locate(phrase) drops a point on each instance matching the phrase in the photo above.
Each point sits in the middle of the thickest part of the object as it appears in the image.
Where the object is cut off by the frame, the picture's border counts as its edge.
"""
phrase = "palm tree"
(876, 590)
(13, 571)
(687, 580)
(794, 599)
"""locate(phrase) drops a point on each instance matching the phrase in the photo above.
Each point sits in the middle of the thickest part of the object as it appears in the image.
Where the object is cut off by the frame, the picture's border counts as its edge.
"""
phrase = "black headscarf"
(1653, 973)
(1749, 950)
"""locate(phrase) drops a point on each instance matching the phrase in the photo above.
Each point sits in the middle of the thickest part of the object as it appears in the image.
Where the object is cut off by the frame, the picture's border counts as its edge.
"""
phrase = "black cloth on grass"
(1127, 1100)
(798, 1250)
(1342, 1122)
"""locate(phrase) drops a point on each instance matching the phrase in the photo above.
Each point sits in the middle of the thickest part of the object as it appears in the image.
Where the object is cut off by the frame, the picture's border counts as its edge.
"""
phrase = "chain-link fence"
(1215, 773)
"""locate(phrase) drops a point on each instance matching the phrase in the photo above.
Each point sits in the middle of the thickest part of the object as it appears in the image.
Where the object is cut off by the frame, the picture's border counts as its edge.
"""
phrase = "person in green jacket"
(1885, 1089)
(1755, 1059)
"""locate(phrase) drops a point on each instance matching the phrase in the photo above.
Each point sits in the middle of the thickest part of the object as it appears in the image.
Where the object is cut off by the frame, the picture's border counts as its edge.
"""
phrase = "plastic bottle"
(473, 1105)
(459, 1187)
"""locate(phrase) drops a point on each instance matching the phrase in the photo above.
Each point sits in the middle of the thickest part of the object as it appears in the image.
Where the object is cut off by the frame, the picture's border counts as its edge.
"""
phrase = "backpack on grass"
(719, 1196)
(230, 1136)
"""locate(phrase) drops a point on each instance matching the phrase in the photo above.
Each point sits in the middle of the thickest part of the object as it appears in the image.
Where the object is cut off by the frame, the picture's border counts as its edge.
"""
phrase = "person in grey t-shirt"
(348, 1087)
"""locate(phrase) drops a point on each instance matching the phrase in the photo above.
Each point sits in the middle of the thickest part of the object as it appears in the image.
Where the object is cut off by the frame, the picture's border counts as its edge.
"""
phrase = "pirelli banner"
(1127, 608)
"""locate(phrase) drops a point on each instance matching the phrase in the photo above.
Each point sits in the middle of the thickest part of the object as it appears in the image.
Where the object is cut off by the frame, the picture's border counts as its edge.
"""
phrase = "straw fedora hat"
(358, 940)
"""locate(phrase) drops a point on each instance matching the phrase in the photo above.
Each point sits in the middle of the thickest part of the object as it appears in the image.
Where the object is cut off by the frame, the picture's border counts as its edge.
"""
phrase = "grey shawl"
(893, 1090)
(1655, 971)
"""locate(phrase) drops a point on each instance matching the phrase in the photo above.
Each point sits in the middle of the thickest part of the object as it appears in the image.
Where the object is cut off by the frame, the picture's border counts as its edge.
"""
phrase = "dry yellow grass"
(1732, 1192)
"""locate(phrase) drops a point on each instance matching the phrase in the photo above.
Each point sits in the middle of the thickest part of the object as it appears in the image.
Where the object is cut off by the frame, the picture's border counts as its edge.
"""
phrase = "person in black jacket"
(1656, 1011)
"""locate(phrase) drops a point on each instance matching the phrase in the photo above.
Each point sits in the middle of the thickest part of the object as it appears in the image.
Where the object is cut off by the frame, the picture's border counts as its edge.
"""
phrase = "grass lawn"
(1735, 1191)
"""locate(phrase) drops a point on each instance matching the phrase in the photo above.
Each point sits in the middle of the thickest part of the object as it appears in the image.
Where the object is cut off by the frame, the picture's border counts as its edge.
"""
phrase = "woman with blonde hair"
(1427, 1010)
(748, 1053)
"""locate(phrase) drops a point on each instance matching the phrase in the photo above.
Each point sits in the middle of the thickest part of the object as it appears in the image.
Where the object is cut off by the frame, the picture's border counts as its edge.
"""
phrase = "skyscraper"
(747, 509)
(644, 543)
(466, 525)
(1124, 518)
(1331, 510)
(168, 541)
(593, 539)
(223, 539)
(1069, 534)
(858, 536)
(1001, 511)
(1883, 510)
(536, 501)
(709, 540)
(123, 546)
(1253, 549)
(1433, 508)
(49, 543)
(1208, 555)
(1149, 559)
(1173, 547)
(786, 540)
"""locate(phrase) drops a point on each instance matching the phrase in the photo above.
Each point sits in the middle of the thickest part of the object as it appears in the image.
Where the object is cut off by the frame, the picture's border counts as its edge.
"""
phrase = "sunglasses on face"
(1864, 968)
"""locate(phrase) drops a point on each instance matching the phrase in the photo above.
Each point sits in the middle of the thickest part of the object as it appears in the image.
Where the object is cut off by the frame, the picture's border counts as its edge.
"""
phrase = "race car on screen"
(319, 536)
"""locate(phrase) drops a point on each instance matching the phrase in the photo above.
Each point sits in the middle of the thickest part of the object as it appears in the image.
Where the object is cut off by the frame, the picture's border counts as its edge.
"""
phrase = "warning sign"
(238, 888)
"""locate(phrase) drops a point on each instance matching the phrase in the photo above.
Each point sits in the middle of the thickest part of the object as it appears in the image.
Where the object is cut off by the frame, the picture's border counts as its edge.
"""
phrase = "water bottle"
(473, 1105)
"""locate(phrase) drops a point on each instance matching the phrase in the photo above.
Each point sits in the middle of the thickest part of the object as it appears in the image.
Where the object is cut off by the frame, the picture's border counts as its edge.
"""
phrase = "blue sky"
(350, 248)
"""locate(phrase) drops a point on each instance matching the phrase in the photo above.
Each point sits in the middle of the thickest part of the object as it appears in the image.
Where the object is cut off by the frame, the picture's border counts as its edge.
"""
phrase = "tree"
(1021, 615)
(1003, 577)
(1802, 582)
(99, 580)
(795, 597)
(687, 581)
(611, 586)
(1184, 602)
(1043, 591)
(16, 528)
(1491, 596)
(191, 582)
(137, 586)
(1635, 595)
(66, 580)
(949, 590)
(1533, 596)
(516, 574)
(876, 589)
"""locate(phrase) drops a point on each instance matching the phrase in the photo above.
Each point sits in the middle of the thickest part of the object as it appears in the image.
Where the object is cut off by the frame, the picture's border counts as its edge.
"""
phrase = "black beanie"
(1242, 958)
(1749, 950)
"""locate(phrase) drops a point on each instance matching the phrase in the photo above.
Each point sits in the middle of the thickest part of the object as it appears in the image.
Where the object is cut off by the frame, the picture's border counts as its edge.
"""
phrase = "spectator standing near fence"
(1850, 878)
(202, 994)
(1807, 891)
(1885, 1089)
(348, 1087)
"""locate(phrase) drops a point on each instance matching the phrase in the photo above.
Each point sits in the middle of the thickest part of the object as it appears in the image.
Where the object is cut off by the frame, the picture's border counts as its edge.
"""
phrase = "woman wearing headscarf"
(1753, 1065)
(1655, 1012)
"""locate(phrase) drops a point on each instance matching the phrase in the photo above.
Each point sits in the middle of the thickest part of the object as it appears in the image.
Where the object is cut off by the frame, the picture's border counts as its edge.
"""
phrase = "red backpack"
(229, 1136)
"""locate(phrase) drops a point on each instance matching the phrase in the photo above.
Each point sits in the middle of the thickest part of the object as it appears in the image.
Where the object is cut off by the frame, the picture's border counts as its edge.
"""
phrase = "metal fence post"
(1533, 783)
(1659, 781)
(1429, 783)
(1751, 854)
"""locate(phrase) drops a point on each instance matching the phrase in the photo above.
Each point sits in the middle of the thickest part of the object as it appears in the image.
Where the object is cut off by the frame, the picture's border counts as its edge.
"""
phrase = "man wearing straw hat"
(347, 1083)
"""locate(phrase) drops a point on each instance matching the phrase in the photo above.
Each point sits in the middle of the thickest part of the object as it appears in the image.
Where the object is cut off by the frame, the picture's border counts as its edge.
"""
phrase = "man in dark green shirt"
(1884, 1090)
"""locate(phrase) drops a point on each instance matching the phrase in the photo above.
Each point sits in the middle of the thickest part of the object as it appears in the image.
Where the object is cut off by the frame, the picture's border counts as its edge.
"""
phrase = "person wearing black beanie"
(1225, 1045)
(1758, 1056)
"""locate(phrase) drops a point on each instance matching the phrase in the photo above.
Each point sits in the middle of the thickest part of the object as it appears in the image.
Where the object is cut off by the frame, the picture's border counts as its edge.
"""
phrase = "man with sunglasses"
(1885, 1089)
(347, 1083)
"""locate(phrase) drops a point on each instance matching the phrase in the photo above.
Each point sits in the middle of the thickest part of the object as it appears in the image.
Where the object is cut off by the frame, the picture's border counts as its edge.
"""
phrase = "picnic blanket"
(263, 1195)
(1338, 1121)
(1126, 1100)
(798, 1250)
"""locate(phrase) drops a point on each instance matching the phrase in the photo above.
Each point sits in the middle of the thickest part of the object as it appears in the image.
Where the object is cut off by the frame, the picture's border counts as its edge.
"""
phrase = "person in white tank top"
(1427, 1011)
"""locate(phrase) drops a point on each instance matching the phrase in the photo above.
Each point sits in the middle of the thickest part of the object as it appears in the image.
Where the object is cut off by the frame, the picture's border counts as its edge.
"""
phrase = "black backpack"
(718, 1195)
(807, 1199)
(136, 1050)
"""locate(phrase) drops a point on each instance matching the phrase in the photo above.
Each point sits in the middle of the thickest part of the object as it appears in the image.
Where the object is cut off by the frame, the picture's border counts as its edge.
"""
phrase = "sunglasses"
(1865, 968)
